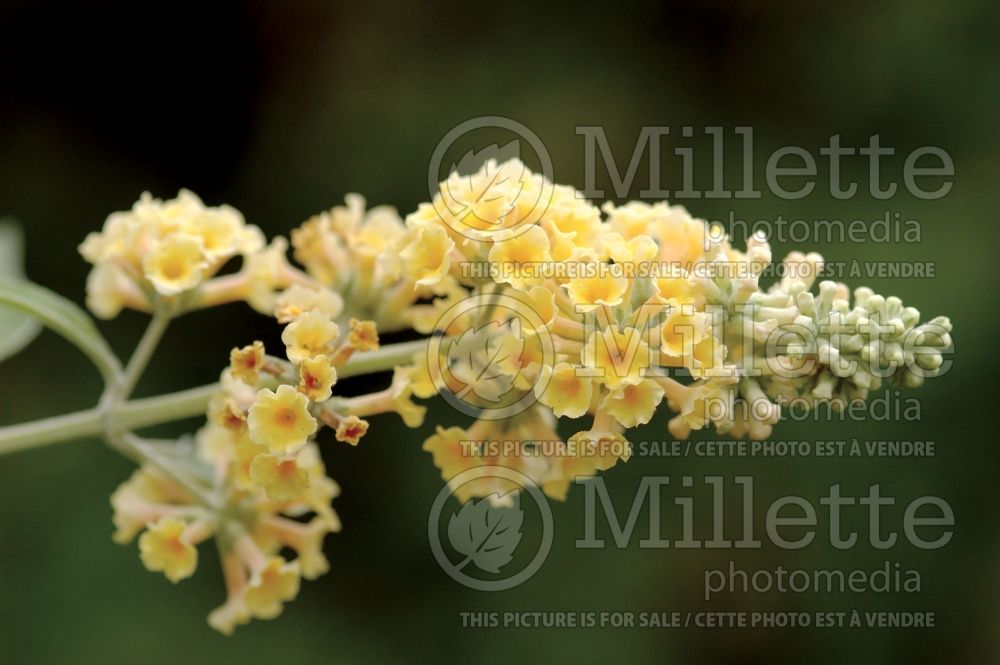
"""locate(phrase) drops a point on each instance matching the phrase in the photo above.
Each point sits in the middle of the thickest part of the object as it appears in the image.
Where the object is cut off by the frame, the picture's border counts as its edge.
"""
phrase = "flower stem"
(142, 354)
(382, 359)
(136, 414)
(130, 415)
(140, 413)
(50, 430)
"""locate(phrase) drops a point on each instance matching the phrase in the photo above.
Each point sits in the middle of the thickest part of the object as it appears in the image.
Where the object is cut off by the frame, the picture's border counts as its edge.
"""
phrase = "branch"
(190, 403)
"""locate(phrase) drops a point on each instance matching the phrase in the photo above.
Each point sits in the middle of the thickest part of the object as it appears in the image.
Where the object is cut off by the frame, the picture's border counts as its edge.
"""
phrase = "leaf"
(63, 317)
(486, 534)
(487, 360)
(17, 329)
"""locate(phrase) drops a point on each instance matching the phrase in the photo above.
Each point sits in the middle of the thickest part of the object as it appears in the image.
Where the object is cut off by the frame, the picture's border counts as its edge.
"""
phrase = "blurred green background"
(281, 108)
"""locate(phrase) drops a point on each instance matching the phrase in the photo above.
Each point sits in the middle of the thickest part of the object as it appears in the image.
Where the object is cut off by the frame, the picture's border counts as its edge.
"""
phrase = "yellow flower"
(110, 243)
(589, 293)
(448, 447)
(682, 330)
(245, 363)
(682, 238)
(312, 334)
(109, 289)
(270, 586)
(320, 248)
(234, 611)
(380, 226)
(487, 199)
(677, 288)
(363, 335)
(573, 216)
(267, 271)
(565, 391)
(701, 404)
(421, 377)
(616, 357)
(296, 300)
(350, 430)
(143, 498)
(281, 479)
(131, 512)
(401, 391)
(530, 361)
(316, 378)
(597, 449)
(585, 454)
(639, 249)
(542, 302)
(633, 405)
(708, 357)
(306, 540)
(228, 616)
(281, 421)
(165, 548)
(130, 238)
(635, 218)
(233, 448)
(222, 230)
(456, 450)
(229, 415)
(514, 257)
(425, 258)
(176, 264)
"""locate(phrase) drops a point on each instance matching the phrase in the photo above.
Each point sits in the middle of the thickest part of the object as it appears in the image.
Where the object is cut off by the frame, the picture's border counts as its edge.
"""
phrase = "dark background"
(281, 108)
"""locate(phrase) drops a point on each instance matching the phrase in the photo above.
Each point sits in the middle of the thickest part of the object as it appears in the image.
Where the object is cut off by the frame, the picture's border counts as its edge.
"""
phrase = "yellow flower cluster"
(164, 250)
(259, 446)
(355, 253)
(249, 528)
(615, 314)
(542, 306)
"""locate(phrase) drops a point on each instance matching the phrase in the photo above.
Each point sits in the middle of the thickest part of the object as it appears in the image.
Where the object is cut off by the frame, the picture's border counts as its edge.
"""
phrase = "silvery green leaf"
(17, 329)
(24, 304)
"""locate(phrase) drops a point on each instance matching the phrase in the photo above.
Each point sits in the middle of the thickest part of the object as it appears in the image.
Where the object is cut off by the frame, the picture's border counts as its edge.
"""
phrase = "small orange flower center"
(285, 416)
(174, 545)
(570, 385)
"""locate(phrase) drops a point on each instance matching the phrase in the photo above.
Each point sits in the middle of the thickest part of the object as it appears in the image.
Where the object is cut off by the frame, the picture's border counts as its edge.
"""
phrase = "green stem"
(135, 414)
(384, 358)
(142, 354)
(140, 413)
(50, 430)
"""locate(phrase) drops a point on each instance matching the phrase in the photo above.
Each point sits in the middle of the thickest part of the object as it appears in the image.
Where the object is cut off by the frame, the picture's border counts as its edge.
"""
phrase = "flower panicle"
(645, 305)
(620, 311)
